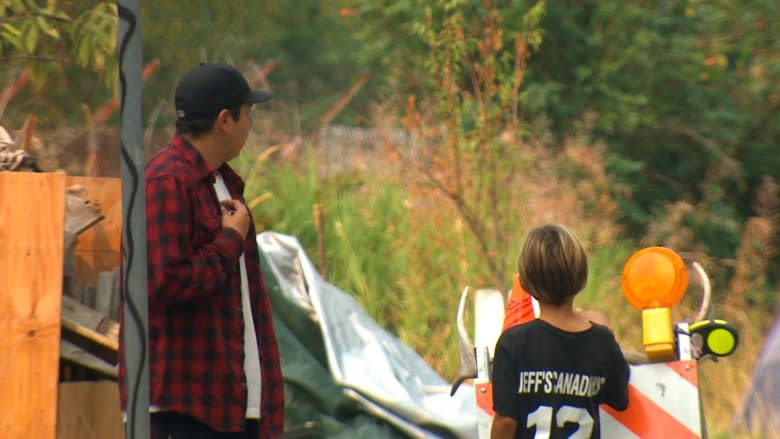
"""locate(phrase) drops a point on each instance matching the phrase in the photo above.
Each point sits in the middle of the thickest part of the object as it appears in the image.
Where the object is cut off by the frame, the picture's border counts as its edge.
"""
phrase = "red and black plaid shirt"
(196, 326)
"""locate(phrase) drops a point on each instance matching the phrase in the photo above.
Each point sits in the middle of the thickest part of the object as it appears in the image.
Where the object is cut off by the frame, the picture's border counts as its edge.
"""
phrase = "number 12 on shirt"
(543, 417)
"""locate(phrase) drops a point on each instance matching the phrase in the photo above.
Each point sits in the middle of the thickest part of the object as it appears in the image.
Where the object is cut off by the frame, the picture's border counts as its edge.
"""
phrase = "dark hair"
(552, 265)
(199, 127)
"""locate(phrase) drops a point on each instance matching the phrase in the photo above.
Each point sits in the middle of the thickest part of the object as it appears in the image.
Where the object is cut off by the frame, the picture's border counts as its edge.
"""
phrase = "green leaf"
(30, 38)
(12, 35)
(46, 28)
(55, 14)
(15, 6)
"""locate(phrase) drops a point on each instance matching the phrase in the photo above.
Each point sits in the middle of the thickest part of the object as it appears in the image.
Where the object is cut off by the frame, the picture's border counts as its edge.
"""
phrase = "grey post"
(135, 321)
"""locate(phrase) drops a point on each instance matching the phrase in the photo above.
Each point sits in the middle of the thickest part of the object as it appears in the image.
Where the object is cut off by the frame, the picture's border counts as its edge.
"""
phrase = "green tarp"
(319, 404)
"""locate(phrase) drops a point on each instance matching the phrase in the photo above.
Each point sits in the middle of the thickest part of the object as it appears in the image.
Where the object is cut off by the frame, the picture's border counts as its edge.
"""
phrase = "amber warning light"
(654, 279)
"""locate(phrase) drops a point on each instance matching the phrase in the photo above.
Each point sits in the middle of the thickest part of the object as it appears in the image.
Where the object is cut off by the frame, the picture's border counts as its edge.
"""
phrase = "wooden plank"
(107, 293)
(90, 330)
(91, 341)
(81, 213)
(73, 354)
(105, 288)
(89, 410)
(32, 211)
(75, 312)
(98, 247)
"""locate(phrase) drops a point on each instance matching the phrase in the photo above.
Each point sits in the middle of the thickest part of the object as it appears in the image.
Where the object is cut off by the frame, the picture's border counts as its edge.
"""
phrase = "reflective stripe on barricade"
(663, 403)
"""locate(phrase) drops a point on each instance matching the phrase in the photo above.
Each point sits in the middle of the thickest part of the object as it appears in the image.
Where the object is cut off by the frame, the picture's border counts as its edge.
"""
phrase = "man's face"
(239, 130)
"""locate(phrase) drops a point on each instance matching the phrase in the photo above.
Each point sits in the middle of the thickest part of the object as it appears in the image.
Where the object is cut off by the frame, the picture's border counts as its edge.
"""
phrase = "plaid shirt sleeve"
(178, 272)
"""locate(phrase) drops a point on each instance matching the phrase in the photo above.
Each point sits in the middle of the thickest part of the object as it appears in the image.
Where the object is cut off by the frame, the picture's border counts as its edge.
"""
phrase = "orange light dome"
(654, 277)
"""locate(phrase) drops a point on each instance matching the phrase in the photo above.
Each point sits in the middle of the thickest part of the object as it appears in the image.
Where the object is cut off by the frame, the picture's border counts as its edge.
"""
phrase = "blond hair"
(552, 264)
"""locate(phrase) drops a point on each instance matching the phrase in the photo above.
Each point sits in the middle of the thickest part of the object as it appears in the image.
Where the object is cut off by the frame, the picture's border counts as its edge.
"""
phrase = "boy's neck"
(563, 317)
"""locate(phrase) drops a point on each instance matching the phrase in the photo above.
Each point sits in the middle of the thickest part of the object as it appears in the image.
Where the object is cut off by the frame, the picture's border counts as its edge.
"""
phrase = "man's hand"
(236, 216)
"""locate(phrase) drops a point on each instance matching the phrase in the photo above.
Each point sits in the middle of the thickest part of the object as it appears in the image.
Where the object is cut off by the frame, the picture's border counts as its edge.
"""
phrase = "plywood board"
(32, 212)
(98, 247)
(89, 410)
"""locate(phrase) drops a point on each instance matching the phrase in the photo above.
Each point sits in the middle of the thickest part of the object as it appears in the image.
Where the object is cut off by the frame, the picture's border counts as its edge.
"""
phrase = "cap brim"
(257, 96)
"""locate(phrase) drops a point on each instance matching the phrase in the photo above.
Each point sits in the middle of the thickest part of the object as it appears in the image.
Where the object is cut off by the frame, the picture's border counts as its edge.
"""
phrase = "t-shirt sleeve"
(616, 395)
(504, 380)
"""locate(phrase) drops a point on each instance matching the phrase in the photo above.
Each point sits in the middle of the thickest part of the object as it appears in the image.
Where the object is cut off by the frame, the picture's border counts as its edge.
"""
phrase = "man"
(214, 368)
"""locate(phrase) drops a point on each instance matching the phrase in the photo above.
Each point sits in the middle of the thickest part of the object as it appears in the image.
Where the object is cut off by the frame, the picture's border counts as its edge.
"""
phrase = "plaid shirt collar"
(200, 168)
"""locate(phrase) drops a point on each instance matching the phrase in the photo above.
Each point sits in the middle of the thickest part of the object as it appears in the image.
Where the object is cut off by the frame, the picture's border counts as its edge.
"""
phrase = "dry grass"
(747, 288)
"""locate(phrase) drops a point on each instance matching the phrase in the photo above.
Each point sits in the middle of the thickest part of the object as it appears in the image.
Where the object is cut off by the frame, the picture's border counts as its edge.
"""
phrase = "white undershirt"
(251, 355)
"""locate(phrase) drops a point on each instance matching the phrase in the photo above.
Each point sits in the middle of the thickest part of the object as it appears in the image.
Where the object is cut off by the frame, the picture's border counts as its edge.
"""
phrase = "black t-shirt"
(552, 381)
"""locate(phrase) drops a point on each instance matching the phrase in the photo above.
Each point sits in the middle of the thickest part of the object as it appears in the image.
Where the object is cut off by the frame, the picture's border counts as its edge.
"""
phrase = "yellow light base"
(657, 335)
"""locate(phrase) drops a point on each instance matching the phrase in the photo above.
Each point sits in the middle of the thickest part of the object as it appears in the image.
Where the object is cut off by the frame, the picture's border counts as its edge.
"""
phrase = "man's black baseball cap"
(209, 88)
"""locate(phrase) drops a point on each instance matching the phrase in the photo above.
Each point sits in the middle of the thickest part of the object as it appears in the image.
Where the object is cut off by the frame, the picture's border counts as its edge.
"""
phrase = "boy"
(551, 374)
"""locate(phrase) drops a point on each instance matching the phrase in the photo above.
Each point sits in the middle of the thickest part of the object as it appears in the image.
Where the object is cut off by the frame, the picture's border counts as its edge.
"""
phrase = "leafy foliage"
(49, 37)
(680, 96)
(465, 75)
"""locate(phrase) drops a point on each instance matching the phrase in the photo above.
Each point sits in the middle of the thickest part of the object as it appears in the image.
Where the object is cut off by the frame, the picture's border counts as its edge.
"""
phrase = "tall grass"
(402, 249)
(377, 248)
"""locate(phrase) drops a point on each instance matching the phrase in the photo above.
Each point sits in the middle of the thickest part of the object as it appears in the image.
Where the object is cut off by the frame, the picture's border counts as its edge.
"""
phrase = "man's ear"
(223, 119)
